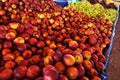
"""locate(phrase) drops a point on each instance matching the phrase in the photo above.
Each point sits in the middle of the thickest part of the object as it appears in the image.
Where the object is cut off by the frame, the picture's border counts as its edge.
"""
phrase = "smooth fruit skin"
(6, 74)
(68, 60)
(81, 70)
(9, 64)
(72, 72)
(87, 64)
(20, 72)
(60, 67)
(96, 78)
(50, 73)
(63, 77)
(33, 71)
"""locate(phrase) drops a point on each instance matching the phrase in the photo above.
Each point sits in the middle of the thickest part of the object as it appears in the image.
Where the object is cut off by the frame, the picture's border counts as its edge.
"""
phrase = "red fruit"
(7, 44)
(32, 41)
(34, 59)
(94, 57)
(20, 71)
(39, 78)
(87, 64)
(14, 25)
(33, 71)
(78, 58)
(93, 72)
(52, 45)
(50, 73)
(102, 58)
(24, 63)
(60, 67)
(72, 72)
(82, 46)
(81, 70)
(21, 47)
(68, 59)
(27, 54)
(58, 55)
(48, 60)
(40, 44)
(92, 40)
(19, 40)
(8, 56)
(87, 55)
(63, 77)
(5, 51)
(96, 78)
(9, 64)
(2, 12)
(73, 44)
(84, 78)
(10, 36)
(100, 66)
(6, 74)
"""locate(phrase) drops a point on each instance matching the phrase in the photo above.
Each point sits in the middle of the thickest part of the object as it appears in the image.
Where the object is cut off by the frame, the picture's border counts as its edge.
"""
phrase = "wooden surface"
(114, 63)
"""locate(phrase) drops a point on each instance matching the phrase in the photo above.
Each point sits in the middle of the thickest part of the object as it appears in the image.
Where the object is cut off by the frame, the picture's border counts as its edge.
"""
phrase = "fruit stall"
(59, 39)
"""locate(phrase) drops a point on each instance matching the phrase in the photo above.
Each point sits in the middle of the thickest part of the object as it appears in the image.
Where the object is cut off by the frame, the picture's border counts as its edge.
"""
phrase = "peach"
(84, 78)
(68, 59)
(100, 66)
(9, 64)
(27, 54)
(86, 54)
(60, 67)
(87, 64)
(5, 51)
(48, 60)
(50, 73)
(14, 25)
(24, 63)
(92, 40)
(96, 78)
(72, 72)
(8, 56)
(73, 44)
(6, 74)
(58, 55)
(63, 77)
(34, 59)
(2, 12)
(32, 41)
(20, 71)
(33, 71)
(19, 40)
(10, 36)
(21, 47)
(52, 45)
(93, 72)
(102, 58)
(18, 59)
(78, 58)
(7, 44)
(94, 57)
(40, 44)
(81, 70)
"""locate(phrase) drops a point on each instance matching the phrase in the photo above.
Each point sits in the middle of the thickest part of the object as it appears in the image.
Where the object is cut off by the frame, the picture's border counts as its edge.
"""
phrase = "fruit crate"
(107, 51)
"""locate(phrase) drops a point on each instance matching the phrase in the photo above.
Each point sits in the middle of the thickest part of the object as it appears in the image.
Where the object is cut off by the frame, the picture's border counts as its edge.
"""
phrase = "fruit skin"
(50, 73)
(9, 64)
(58, 55)
(6, 74)
(87, 64)
(86, 55)
(68, 60)
(8, 56)
(73, 44)
(20, 71)
(72, 72)
(24, 63)
(60, 67)
(96, 78)
(34, 59)
(32, 41)
(63, 77)
(100, 66)
(33, 71)
(27, 54)
(19, 40)
(81, 70)
(93, 72)
(78, 58)
(84, 78)
(48, 60)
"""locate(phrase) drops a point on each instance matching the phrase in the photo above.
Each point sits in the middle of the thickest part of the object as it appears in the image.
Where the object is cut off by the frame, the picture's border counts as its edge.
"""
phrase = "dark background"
(113, 70)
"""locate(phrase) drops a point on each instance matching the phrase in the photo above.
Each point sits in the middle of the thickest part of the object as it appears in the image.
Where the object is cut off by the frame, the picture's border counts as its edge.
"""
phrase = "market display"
(94, 10)
(40, 40)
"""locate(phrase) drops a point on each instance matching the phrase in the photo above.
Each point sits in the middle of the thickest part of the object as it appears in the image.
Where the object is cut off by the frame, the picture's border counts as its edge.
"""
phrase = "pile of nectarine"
(40, 40)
